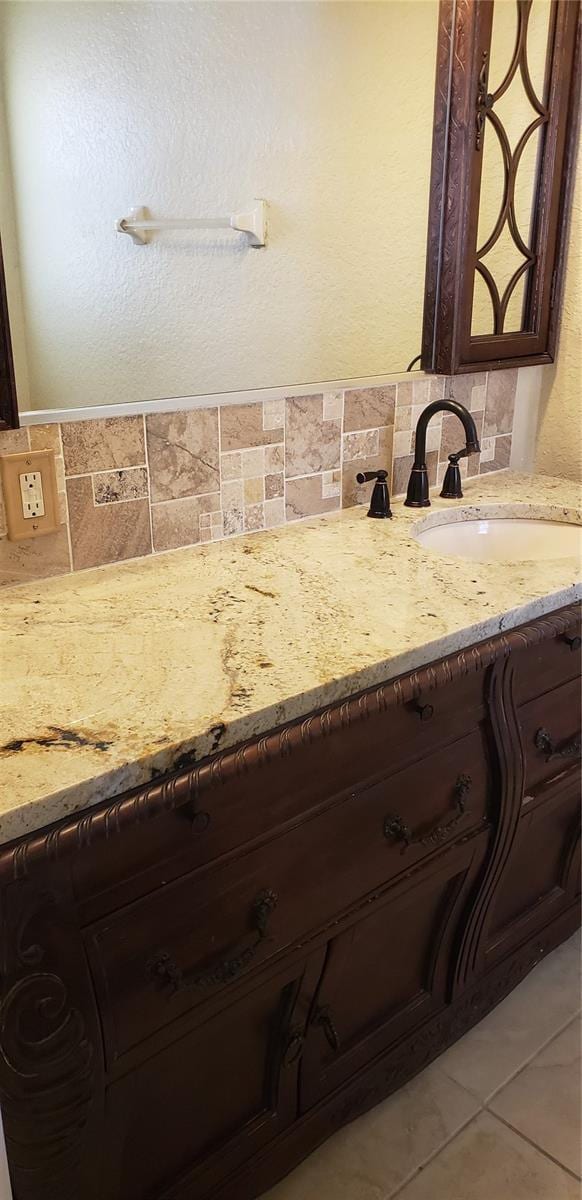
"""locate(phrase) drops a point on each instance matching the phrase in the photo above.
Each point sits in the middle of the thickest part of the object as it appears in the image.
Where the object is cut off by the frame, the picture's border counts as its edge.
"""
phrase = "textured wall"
(559, 448)
(324, 109)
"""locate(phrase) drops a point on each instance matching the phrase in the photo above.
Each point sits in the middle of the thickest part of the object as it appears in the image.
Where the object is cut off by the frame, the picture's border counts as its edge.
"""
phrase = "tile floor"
(497, 1117)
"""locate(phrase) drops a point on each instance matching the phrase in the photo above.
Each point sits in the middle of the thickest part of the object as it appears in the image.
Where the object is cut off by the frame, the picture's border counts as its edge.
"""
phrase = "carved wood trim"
(50, 1071)
(22, 859)
(510, 781)
(391, 1070)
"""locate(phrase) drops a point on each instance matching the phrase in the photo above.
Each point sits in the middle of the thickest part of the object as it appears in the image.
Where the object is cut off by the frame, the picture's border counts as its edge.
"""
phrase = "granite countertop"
(112, 675)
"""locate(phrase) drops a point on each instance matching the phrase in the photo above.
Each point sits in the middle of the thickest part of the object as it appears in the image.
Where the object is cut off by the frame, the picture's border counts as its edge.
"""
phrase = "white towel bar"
(254, 223)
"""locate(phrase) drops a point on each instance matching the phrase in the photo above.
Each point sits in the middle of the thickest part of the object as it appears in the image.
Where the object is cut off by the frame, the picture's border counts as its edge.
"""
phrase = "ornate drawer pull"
(545, 743)
(293, 1048)
(166, 971)
(396, 830)
(324, 1019)
(425, 711)
(573, 642)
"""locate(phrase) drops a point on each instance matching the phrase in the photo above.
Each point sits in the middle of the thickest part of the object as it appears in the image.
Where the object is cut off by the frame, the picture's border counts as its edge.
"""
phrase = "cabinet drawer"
(188, 942)
(252, 790)
(553, 662)
(550, 730)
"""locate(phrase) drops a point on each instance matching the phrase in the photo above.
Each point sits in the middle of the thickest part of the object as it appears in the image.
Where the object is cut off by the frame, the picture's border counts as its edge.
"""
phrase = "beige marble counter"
(111, 675)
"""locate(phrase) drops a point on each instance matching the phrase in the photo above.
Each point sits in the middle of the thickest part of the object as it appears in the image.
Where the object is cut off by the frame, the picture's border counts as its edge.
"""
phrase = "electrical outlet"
(32, 495)
(29, 484)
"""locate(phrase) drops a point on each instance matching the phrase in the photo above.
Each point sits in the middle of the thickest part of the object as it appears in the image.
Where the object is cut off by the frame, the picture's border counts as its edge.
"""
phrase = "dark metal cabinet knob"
(573, 642)
(425, 711)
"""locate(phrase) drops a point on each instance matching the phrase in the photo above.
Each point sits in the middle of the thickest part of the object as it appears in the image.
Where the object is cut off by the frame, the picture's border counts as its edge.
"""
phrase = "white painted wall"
(324, 109)
(559, 448)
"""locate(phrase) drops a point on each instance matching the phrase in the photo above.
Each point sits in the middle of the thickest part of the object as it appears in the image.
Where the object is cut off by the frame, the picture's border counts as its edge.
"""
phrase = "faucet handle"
(367, 476)
(452, 489)
(380, 502)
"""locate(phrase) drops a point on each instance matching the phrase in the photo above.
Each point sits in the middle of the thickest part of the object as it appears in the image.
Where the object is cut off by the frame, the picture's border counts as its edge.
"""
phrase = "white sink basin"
(504, 539)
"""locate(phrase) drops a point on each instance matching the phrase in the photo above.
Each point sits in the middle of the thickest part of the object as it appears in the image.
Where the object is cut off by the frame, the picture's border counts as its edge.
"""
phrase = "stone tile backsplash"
(133, 486)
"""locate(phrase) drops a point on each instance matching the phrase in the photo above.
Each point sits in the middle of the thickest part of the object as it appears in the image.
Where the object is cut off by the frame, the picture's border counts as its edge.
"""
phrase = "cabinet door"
(504, 152)
(541, 878)
(193, 1113)
(389, 971)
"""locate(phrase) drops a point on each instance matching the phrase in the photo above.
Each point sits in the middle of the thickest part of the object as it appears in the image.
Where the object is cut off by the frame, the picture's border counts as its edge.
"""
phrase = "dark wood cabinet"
(204, 978)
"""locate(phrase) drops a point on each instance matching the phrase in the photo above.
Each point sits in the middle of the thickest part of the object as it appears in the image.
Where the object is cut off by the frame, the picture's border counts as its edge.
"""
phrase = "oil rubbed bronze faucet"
(417, 494)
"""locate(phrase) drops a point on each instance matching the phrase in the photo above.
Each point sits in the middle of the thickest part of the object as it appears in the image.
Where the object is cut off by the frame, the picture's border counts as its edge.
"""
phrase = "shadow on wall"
(559, 443)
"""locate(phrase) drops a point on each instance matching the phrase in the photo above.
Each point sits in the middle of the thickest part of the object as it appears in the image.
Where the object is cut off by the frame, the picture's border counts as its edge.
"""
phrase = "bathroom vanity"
(221, 949)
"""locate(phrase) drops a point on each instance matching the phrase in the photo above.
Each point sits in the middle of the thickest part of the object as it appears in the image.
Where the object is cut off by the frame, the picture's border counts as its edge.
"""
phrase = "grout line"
(527, 1062)
(106, 470)
(520, 1134)
(430, 1158)
(149, 495)
(66, 495)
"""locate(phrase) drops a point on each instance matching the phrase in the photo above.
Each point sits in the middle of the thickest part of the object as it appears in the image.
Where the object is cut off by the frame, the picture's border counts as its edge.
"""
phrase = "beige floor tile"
(487, 1161)
(373, 1156)
(491, 1053)
(543, 1101)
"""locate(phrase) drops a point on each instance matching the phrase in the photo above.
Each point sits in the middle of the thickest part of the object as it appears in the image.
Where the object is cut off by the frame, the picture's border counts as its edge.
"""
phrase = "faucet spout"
(417, 495)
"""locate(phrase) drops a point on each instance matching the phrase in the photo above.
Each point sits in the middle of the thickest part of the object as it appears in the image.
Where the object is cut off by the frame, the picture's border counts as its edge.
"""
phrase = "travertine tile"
(112, 486)
(402, 467)
(253, 463)
(36, 558)
(232, 494)
(273, 414)
(500, 402)
(274, 458)
(231, 465)
(503, 1042)
(241, 425)
(274, 512)
(233, 522)
(254, 490)
(487, 1161)
(501, 455)
(370, 1158)
(13, 440)
(543, 1101)
(354, 492)
(183, 453)
(311, 443)
(421, 392)
(403, 418)
(404, 395)
(103, 444)
(333, 406)
(44, 437)
(331, 484)
(453, 434)
(254, 517)
(179, 522)
(274, 485)
(360, 445)
(304, 498)
(105, 533)
(460, 387)
(402, 442)
(369, 408)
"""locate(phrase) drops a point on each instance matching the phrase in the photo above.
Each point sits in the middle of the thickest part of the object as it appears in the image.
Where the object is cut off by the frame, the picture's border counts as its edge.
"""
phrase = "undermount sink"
(503, 539)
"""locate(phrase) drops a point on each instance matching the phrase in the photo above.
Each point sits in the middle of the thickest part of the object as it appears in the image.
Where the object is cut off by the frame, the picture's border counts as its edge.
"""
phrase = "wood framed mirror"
(8, 399)
(504, 150)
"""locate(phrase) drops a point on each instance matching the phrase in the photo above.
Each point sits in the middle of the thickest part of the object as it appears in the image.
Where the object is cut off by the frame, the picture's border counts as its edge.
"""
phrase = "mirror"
(192, 110)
